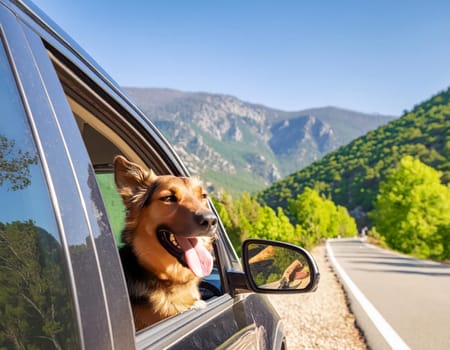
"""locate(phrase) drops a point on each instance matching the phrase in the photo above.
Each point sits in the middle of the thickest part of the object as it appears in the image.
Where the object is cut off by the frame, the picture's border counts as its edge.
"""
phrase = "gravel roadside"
(320, 320)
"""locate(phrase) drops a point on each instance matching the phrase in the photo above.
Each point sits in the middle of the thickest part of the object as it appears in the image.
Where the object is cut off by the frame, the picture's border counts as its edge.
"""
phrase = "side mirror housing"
(275, 267)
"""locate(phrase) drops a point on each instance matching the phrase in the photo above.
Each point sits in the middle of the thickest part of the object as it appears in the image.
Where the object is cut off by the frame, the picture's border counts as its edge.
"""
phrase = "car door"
(49, 238)
(79, 119)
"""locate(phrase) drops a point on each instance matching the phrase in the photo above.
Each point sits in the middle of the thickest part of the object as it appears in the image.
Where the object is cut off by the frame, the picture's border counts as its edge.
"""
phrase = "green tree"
(319, 218)
(346, 224)
(34, 301)
(248, 212)
(412, 210)
(228, 214)
(246, 218)
(273, 225)
(14, 164)
(308, 211)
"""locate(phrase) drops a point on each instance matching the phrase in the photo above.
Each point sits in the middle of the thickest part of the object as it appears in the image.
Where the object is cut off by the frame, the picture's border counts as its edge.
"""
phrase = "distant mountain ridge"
(240, 146)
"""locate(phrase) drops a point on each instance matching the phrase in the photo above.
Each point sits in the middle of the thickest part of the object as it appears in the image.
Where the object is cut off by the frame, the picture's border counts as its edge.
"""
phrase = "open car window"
(107, 131)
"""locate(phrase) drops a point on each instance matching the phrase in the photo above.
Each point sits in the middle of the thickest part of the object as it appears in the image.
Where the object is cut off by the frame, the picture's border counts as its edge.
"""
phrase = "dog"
(167, 241)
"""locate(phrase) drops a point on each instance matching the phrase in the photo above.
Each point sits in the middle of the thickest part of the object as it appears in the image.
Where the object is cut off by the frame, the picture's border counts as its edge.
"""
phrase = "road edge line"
(385, 329)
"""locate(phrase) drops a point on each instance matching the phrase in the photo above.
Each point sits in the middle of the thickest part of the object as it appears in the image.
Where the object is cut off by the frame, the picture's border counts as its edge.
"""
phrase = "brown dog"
(167, 241)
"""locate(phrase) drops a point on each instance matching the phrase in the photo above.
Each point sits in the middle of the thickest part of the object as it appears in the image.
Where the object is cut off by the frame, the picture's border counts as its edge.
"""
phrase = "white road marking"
(389, 334)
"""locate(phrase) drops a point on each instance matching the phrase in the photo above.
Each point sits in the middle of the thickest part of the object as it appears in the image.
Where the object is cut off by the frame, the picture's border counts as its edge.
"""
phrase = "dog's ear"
(131, 179)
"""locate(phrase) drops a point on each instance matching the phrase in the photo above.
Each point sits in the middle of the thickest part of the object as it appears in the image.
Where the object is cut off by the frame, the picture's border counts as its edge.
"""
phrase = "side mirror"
(277, 267)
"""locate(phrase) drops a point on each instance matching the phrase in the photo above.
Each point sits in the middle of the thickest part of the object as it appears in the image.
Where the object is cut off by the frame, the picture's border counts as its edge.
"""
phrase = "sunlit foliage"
(412, 210)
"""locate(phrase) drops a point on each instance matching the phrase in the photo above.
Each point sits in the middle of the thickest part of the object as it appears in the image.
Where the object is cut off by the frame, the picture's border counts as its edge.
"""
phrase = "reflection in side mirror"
(276, 267)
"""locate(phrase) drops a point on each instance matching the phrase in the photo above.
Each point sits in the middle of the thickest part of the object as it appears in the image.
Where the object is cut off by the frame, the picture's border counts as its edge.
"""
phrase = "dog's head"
(169, 223)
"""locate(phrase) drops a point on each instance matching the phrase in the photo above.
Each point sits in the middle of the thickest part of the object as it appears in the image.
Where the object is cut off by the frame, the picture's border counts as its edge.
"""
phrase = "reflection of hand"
(265, 254)
(295, 271)
(292, 269)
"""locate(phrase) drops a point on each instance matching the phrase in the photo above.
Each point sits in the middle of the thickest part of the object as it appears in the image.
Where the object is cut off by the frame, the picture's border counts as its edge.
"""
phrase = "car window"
(108, 131)
(36, 310)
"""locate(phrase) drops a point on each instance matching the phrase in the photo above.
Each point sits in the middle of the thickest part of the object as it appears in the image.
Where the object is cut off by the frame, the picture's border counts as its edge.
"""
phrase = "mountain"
(351, 174)
(240, 146)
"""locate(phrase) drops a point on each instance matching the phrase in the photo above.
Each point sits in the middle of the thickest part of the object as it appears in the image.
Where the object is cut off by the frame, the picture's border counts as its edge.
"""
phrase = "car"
(63, 120)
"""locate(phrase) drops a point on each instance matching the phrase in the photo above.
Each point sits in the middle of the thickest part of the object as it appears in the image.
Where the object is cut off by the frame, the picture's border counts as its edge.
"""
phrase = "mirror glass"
(274, 267)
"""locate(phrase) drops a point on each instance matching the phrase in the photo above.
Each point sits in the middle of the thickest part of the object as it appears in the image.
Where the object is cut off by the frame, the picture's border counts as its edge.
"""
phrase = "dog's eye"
(204, 196)
(169, 199)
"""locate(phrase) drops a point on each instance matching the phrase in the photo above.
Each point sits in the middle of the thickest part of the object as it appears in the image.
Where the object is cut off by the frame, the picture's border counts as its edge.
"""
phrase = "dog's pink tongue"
(197, 256)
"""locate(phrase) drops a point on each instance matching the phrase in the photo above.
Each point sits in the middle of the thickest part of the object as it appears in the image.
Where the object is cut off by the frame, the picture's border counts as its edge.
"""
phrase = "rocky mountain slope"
(242, 146)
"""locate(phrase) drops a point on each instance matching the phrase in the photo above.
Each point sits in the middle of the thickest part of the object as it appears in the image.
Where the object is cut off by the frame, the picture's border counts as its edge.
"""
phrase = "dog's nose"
(206, 220)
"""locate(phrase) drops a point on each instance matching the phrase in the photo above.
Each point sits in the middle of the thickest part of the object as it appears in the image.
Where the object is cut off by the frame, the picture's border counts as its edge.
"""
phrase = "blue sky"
(371, 56)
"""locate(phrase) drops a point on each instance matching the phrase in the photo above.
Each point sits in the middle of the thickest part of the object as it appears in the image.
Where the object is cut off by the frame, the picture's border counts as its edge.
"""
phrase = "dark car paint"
(98, 289)
(236, 325)
(234, 320)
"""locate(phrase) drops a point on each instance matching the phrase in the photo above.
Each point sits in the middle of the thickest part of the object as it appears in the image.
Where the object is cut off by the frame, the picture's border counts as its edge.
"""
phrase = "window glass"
(113, 204)
(36, 309)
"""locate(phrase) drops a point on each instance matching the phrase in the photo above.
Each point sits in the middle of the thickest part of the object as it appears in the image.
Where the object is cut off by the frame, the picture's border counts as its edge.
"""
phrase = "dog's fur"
(160, 208)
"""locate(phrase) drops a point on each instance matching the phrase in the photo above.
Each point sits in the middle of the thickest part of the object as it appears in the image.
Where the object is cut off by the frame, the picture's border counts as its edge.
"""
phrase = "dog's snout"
(206, 220)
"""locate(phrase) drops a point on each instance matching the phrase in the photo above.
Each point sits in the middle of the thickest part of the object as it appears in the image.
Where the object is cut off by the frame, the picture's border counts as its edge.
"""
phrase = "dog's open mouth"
(189, 251)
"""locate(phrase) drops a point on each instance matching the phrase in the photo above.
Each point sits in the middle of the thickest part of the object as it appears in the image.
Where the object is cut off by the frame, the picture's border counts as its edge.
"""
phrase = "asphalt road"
(398, 301)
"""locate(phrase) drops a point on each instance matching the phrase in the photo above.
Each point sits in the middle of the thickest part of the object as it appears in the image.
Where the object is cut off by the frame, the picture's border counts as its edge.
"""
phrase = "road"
(399, 302)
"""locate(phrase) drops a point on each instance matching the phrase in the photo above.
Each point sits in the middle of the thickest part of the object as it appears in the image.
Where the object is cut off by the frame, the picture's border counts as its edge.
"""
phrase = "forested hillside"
(351, 175)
